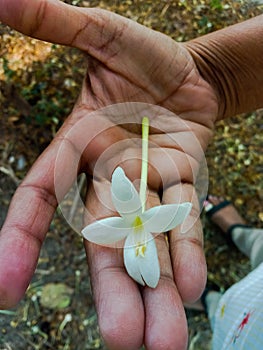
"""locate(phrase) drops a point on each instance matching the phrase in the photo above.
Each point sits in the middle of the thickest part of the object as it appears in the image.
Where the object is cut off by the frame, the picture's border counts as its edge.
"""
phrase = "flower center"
(137, 224)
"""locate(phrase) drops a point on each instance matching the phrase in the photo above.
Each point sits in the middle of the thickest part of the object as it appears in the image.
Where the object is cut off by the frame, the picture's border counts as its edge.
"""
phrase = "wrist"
(230, 60)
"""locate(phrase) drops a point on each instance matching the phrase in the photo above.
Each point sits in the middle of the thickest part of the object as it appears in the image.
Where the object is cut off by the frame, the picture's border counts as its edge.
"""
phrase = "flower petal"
(149, 264)
(131, 260)
(106, 231)
(124, 195)
(165, 217)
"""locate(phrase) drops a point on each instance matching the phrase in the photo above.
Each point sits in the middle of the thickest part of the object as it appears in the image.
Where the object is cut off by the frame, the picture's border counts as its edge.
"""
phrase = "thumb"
(92, 30)
(44, 19)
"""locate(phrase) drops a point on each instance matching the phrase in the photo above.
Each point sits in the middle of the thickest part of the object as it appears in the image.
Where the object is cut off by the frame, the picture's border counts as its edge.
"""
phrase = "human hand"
(127, 62)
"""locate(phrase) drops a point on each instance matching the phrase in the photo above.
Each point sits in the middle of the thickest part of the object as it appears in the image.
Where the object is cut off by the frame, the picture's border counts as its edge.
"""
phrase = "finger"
(29, 217)
(186, 245)
(57, 22)
(112, 39)
(165, 323)
(49, 20)
(117, 297)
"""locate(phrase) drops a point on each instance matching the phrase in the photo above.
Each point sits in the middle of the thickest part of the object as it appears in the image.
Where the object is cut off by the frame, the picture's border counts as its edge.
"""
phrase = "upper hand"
(127, 62)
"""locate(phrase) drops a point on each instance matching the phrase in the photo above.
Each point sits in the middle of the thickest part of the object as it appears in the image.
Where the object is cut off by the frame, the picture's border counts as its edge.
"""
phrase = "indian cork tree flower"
(135, 224)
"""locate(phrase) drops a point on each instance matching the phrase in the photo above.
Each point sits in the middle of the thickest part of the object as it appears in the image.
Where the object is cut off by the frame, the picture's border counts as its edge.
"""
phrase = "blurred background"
(39, 83)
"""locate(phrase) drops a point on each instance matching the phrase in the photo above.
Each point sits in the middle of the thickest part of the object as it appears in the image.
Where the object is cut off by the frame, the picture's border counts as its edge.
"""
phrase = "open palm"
(126, 63)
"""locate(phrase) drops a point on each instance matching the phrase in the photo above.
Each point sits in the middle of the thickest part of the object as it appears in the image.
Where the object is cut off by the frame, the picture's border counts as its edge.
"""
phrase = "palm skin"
(127, 63)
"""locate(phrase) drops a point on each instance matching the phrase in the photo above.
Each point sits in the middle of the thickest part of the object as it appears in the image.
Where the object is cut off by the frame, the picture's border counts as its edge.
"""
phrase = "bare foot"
(225, 217)
(195, 306)
(198, 305)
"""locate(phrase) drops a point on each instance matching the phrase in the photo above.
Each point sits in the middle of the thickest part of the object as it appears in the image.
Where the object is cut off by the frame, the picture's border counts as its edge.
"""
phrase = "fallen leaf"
(56, 296)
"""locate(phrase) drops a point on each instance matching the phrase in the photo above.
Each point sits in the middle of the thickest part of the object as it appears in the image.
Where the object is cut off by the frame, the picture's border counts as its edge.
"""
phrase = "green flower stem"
(144, 171)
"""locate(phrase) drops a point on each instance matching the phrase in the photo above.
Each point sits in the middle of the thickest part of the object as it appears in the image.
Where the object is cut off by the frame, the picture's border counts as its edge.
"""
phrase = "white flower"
(137, 226)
